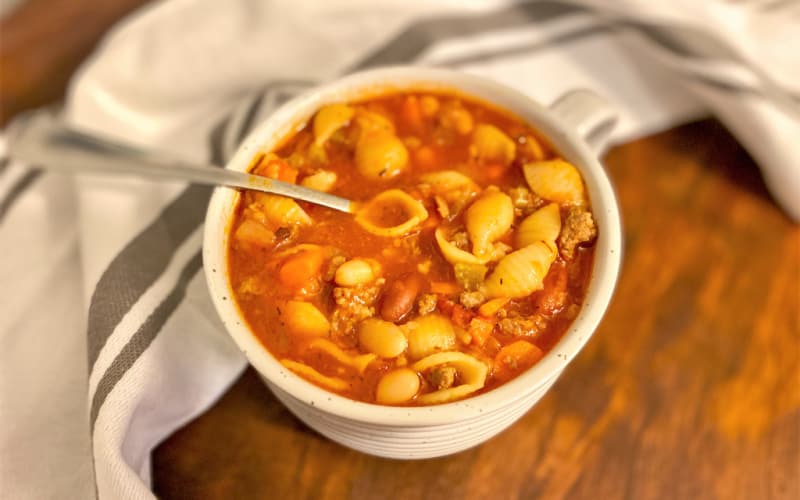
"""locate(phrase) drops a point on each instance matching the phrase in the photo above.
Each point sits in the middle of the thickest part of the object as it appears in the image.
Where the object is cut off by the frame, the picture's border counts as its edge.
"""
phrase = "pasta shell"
(487, 219)
(281, 211)
(472, 373)
(555, 180)
(305, 371)
(391, 201)
(324, 180)
(521, 273)
(452, 253)
(448, 181)
(380, 155)
(359, 362)
(329, 119)
(429, 334)
(493, 145)
(542, 225)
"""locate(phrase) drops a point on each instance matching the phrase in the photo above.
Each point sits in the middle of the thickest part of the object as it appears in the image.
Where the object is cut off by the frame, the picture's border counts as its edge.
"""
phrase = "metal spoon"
(43, 141)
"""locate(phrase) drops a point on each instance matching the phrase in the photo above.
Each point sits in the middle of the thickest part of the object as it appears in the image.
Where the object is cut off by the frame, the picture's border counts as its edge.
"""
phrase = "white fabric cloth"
(117, 261)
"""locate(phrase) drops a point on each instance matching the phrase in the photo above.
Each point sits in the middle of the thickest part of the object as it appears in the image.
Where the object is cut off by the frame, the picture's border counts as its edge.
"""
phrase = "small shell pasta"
(542, 225)
(555, 180)
(487, 219)
(472, 373)
(448, 182)
(359, 363)
(452, 253)
(380, 155)
(329, 119)
(323, 180)
(372, 121)
(381, 204)
(282, 211)
(305, 371)
(521, 273)
(429, 334)
(493, 145)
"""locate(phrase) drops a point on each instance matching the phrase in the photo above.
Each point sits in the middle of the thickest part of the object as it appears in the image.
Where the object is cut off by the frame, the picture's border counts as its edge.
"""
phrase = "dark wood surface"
(689, 389)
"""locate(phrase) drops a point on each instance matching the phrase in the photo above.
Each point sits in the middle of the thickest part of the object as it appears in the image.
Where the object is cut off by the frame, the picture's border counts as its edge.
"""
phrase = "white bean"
(354, 272)
(397, 386)
(381, 337)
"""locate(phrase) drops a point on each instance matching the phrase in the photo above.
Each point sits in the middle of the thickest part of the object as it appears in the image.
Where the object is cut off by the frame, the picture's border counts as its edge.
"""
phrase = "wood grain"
(42, 42)
(689, 389)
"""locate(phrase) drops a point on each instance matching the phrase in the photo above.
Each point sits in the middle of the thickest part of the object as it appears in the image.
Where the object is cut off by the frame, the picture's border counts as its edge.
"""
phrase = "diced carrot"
(480, 329)
(490, 308)
(301, 269)
(254, 233)
(426, 157)
(461, 316)
(444, 288)
(515, 358)
(412, 114)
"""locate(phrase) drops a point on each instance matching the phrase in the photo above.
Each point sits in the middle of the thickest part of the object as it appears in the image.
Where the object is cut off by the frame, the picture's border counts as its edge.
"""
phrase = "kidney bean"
(400, 296)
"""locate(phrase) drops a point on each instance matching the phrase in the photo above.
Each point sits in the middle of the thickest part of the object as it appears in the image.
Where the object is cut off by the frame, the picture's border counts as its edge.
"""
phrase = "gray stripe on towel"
(143, 337)
(17, 190)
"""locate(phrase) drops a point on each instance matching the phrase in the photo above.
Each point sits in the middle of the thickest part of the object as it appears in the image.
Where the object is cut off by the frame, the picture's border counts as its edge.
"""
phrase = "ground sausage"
(442, 377)
(523, 327)
(426, 303)
(471, 300)
(578, 228)
(353, 304)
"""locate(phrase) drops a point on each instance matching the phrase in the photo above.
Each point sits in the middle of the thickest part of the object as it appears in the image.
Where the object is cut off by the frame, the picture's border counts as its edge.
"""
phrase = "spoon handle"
(43, 142)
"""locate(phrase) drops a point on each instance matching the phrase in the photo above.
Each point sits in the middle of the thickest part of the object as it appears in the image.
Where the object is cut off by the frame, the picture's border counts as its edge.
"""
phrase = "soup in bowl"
(482, 255)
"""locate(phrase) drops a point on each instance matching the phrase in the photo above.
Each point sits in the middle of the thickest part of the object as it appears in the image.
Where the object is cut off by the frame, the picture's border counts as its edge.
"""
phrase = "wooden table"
(689, 389)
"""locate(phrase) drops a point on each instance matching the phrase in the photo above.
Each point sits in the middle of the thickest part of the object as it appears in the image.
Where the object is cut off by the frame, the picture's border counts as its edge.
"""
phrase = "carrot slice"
(300, 269)
(412, 114)
(490, 308)
(279, 169)
(444, 288)
(515, 358)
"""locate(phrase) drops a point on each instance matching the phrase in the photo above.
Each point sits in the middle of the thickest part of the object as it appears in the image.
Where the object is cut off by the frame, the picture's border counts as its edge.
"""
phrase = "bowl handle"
(588, 114)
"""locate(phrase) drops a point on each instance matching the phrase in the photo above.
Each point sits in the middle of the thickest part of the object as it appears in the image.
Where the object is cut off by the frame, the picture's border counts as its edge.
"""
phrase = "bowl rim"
(290, 117)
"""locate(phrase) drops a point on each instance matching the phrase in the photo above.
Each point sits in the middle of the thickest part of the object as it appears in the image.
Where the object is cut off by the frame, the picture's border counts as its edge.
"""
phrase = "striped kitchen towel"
(108, 338)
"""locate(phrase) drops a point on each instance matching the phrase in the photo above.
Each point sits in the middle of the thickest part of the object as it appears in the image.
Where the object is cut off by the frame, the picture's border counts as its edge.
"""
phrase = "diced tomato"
(461, 316)
(554, 296)
(480, 329)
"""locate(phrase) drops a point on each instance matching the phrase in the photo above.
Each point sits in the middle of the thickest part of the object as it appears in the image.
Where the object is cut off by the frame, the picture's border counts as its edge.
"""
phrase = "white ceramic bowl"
(423, 432)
